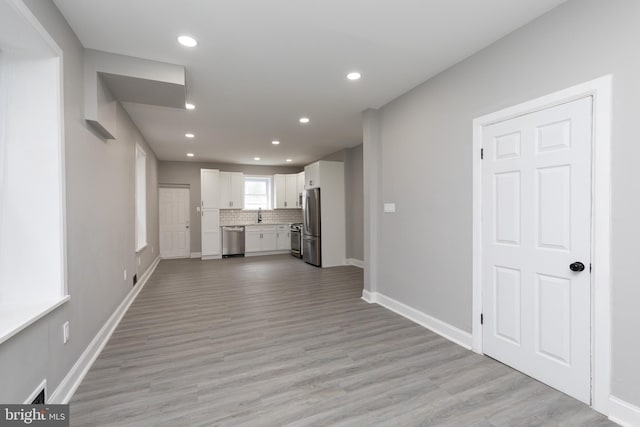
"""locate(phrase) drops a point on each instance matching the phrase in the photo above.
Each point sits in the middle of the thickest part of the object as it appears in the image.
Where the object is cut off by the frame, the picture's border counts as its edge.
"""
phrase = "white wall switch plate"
(65, 332)
(389, 207)
(125, 274)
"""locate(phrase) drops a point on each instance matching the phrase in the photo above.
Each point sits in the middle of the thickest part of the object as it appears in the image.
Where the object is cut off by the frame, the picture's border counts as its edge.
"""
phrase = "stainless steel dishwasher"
(232, 241)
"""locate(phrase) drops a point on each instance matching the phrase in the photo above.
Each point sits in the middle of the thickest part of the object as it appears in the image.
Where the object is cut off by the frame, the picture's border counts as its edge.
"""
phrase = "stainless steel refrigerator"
(311, 226)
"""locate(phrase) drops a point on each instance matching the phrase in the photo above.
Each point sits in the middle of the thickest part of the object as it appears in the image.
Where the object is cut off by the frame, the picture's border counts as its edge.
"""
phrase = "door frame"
(600, 90)
(176, 187)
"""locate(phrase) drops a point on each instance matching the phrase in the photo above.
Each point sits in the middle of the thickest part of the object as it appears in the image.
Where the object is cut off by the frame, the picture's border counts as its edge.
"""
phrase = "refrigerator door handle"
(306, 215)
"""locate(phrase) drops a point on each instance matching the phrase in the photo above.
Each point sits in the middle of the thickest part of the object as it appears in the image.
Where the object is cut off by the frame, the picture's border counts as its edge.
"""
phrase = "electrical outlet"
(152, 248)
(125, 274)
(138, 260)
(65, 332)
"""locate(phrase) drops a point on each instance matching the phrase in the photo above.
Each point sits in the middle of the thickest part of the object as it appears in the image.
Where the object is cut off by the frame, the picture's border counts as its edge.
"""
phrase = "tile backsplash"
(241, 217)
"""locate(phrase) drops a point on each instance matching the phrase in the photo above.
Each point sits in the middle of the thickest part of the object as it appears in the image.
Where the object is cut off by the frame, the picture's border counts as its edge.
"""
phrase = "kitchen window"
(257, 192)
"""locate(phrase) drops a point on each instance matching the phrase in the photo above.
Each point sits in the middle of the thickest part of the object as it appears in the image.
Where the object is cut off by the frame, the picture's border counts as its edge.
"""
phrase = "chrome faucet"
(259, 215)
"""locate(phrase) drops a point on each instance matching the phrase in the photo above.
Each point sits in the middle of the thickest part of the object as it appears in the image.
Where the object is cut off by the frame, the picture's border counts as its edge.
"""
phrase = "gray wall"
(100, 233)
(188, 173)
(354, 198)
(425, 248)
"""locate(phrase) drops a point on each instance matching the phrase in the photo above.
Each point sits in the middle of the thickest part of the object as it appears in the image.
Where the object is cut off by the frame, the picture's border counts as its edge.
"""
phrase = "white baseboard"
(446, 330)
(624, 413)
(355, 262)
(74, 377)
(368, 296)
(196, 254)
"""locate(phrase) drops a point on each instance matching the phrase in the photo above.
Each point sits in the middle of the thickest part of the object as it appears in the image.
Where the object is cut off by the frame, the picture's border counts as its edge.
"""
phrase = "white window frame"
(32, 121)
(141, 198)
(265, 178)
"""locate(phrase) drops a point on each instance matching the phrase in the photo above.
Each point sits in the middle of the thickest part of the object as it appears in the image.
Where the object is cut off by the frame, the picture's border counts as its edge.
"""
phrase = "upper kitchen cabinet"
(286, 191)
(210, 188)
(231, 190)
(312, 175)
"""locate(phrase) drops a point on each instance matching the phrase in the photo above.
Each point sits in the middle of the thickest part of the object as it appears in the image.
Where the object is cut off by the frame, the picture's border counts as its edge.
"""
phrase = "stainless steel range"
(296, 239)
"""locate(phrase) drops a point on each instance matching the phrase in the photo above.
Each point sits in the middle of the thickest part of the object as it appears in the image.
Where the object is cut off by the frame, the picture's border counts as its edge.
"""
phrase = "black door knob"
(576, 266)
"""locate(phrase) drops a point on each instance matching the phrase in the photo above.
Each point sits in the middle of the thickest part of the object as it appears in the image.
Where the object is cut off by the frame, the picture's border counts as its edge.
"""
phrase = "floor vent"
(39, 399)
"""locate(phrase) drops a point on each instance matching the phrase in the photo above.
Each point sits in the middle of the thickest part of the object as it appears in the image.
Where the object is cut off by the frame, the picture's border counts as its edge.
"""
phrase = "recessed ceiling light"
(354, 76)
(256, 158)
(289, 160)
(187, 41)
(189, 154)
(275, 142)
(190, 106)
(304, 120)
(189, 135)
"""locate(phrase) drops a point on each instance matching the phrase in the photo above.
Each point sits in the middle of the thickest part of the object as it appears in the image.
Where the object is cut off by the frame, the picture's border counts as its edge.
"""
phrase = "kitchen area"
(248, 211)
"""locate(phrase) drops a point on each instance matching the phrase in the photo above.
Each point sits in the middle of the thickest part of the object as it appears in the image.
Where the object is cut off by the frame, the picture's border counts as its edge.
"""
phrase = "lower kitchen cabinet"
(260, 238)
(283, 238)
(210, 229)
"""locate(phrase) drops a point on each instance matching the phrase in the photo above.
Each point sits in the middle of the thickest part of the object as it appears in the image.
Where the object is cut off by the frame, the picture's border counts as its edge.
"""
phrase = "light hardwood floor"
(271, 341)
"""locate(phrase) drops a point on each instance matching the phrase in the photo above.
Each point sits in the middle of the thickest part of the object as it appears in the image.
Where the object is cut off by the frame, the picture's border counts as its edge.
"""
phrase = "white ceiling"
(260, 65)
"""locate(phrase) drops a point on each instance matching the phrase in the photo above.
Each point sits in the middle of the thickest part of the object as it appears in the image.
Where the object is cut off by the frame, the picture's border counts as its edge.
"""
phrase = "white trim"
(34, 393)
(67, 387)
(453, 334)
(355, 262)
(600, 90)
(196, 255)
(623, 413)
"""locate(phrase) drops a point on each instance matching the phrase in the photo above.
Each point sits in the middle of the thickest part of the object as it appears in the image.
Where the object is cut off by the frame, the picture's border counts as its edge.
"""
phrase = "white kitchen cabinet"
(209, 213)
(269, 240)
(209, 188)
(312, 175)
(291, 199)
(210, 232)
(231, 190)
(283, 238)
(279, 191)
(300, 185)
(286, 191)
(260, 238)
(252, 240)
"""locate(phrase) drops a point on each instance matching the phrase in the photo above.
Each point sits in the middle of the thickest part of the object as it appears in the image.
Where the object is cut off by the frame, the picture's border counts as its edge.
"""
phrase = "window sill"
(16, 317)
(141, 248)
